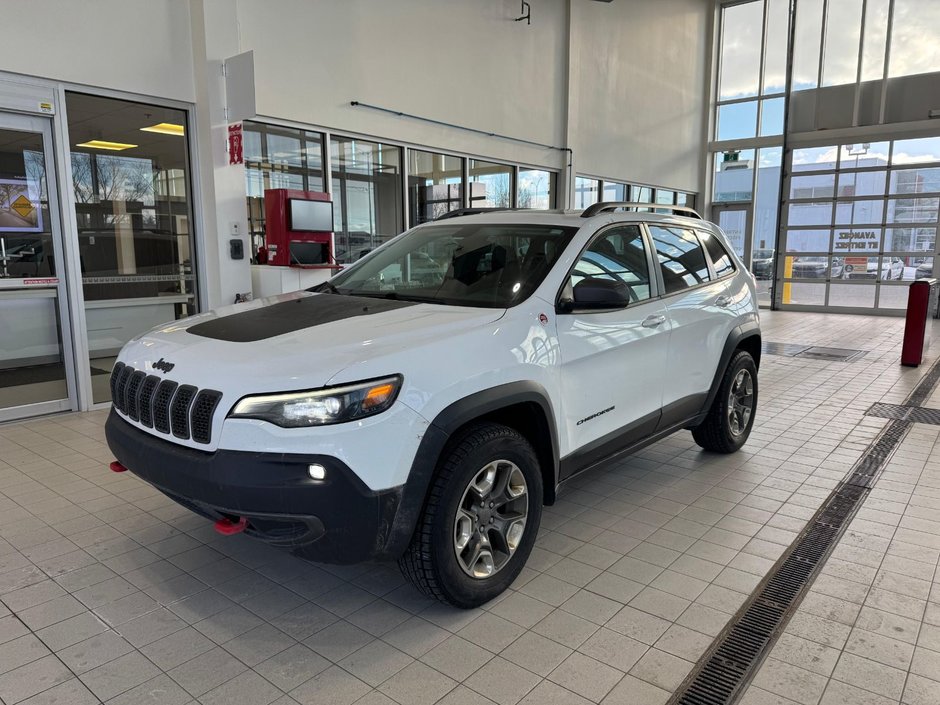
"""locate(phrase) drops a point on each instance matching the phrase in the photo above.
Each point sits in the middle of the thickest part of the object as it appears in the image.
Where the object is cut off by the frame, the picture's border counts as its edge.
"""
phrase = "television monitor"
(316, 216)
(308, 252)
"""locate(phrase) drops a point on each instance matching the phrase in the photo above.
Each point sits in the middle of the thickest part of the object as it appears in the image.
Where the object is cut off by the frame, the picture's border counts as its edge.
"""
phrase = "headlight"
(320, 407)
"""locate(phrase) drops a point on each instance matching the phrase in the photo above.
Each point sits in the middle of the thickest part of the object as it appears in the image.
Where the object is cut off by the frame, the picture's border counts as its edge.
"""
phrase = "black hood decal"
(289, 316)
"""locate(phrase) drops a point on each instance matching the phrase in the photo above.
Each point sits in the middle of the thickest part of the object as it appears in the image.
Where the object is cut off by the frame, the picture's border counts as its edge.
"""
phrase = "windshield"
(763, 254)
(487, 265)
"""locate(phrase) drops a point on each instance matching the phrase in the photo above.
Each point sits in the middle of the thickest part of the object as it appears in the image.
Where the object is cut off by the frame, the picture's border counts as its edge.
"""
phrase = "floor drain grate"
(925, 387)
(831, 354)
(785, 349)
(727, 667)
(911, 414)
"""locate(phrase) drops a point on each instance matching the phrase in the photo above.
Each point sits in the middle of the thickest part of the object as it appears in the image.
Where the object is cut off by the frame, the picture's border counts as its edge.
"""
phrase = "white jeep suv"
(426, 403)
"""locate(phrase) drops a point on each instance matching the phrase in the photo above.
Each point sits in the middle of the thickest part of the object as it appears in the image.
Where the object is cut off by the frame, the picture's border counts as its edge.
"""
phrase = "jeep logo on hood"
(163, 365)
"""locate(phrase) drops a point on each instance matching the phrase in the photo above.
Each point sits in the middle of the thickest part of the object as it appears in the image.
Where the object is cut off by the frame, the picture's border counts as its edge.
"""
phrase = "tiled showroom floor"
(111, 593)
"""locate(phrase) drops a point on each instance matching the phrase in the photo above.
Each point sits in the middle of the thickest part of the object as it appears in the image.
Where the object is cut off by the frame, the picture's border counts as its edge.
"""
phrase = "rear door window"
(681, 257)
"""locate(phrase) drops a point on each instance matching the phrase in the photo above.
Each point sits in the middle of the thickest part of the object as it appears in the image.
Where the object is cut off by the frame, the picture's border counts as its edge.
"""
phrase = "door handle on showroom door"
(723, 301)
(653, 321)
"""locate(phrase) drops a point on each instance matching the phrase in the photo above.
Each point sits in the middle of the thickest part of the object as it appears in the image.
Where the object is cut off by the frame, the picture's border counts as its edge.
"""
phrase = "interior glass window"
(680, 256)
(490, 184)
(585, 191)
(721, 260)
(617, 254)
(536, 189)
(434, 184)
(367, 199)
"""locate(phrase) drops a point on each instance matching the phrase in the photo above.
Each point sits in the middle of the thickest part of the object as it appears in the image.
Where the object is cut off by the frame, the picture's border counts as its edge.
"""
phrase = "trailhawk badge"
(163, 365)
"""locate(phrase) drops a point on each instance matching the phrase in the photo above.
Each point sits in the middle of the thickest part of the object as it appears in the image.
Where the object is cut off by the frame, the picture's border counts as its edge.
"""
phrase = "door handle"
(653, 321)
(723, 301)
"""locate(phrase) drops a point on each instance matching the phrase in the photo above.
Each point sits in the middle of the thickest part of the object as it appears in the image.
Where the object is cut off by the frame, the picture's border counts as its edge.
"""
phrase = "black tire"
(717, 432)
(431, 562)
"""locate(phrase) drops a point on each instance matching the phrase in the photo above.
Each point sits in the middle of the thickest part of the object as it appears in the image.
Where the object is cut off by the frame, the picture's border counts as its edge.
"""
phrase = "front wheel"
(731, 415)
(481, 518)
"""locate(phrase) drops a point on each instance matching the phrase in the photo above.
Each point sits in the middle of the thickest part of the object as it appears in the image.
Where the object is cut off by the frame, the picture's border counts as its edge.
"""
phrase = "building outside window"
(846, 234)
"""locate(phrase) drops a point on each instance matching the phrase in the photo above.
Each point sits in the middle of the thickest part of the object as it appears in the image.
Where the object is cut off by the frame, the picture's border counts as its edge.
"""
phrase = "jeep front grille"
(164, 405)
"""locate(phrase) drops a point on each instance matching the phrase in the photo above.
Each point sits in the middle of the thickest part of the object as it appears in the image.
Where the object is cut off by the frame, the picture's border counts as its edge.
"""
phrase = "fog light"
(317, 472)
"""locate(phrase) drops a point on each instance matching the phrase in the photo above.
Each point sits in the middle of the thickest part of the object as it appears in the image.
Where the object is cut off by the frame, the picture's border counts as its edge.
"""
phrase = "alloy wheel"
(491, 519)
(740, 402)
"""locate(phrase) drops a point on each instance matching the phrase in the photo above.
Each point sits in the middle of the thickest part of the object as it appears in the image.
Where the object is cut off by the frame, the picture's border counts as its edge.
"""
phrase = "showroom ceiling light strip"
(105, 144)
(165, 128)
(724, 671)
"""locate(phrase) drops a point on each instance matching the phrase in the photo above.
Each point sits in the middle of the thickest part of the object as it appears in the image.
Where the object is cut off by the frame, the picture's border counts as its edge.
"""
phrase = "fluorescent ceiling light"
(164, 128)
(104, 144)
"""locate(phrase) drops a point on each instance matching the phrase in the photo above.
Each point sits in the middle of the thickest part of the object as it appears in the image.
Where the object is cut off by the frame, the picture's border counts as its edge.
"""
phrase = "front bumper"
(335, 520)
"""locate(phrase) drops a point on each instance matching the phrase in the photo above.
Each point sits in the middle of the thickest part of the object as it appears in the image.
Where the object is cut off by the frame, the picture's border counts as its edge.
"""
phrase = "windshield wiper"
(395, 296)
(325, 286)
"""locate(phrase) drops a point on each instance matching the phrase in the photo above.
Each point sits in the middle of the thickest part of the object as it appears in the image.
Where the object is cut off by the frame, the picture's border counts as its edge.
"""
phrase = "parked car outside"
(868, 268)
(816, 267)
(762, 263)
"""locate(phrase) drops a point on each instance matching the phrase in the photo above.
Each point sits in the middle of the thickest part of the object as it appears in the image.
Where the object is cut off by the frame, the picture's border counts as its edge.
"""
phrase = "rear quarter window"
(719, 256)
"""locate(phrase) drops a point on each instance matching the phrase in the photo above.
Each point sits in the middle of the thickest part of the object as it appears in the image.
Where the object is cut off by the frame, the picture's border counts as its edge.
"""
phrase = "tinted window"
(681, 257)
(719, 255)
(465, 265)
(618, 254)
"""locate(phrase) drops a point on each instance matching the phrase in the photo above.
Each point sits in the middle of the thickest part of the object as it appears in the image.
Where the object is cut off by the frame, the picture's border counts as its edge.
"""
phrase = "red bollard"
(921, 305)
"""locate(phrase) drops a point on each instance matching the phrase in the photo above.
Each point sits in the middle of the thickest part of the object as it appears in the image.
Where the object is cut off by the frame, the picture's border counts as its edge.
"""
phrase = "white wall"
(459, 61)
(142, 46)
(638, 76)
(639, 88)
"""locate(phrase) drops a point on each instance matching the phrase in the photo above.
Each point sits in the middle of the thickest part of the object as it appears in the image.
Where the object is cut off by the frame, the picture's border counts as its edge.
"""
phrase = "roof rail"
(605, 206)
(457, 212)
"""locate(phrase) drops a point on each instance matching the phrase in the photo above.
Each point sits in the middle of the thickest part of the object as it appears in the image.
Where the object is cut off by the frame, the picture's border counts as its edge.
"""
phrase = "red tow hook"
(227, 527)
(117, 467)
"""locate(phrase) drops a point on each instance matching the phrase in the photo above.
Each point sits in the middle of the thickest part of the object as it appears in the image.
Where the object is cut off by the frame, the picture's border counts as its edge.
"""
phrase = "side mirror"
(592, 292)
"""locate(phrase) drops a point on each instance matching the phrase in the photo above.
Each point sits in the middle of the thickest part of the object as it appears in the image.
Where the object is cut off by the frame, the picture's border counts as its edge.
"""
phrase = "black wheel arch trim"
(739, 334)
(447, 423)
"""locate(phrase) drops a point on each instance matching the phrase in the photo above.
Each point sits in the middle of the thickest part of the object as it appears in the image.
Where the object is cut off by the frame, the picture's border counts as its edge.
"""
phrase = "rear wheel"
(481, 518)
(731, 415)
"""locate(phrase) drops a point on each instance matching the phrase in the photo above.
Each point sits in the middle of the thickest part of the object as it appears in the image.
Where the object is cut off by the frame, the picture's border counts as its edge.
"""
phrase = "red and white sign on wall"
(235, 144)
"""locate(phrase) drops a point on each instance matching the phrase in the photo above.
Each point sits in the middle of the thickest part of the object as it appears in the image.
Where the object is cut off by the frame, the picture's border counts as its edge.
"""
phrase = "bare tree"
(82, 182)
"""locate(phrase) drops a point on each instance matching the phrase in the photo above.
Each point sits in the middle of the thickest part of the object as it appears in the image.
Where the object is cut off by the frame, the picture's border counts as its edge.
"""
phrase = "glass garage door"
(859, 223)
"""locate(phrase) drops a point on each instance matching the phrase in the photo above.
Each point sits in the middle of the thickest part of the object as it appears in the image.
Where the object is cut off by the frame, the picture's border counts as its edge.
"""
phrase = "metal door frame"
(43, 126)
